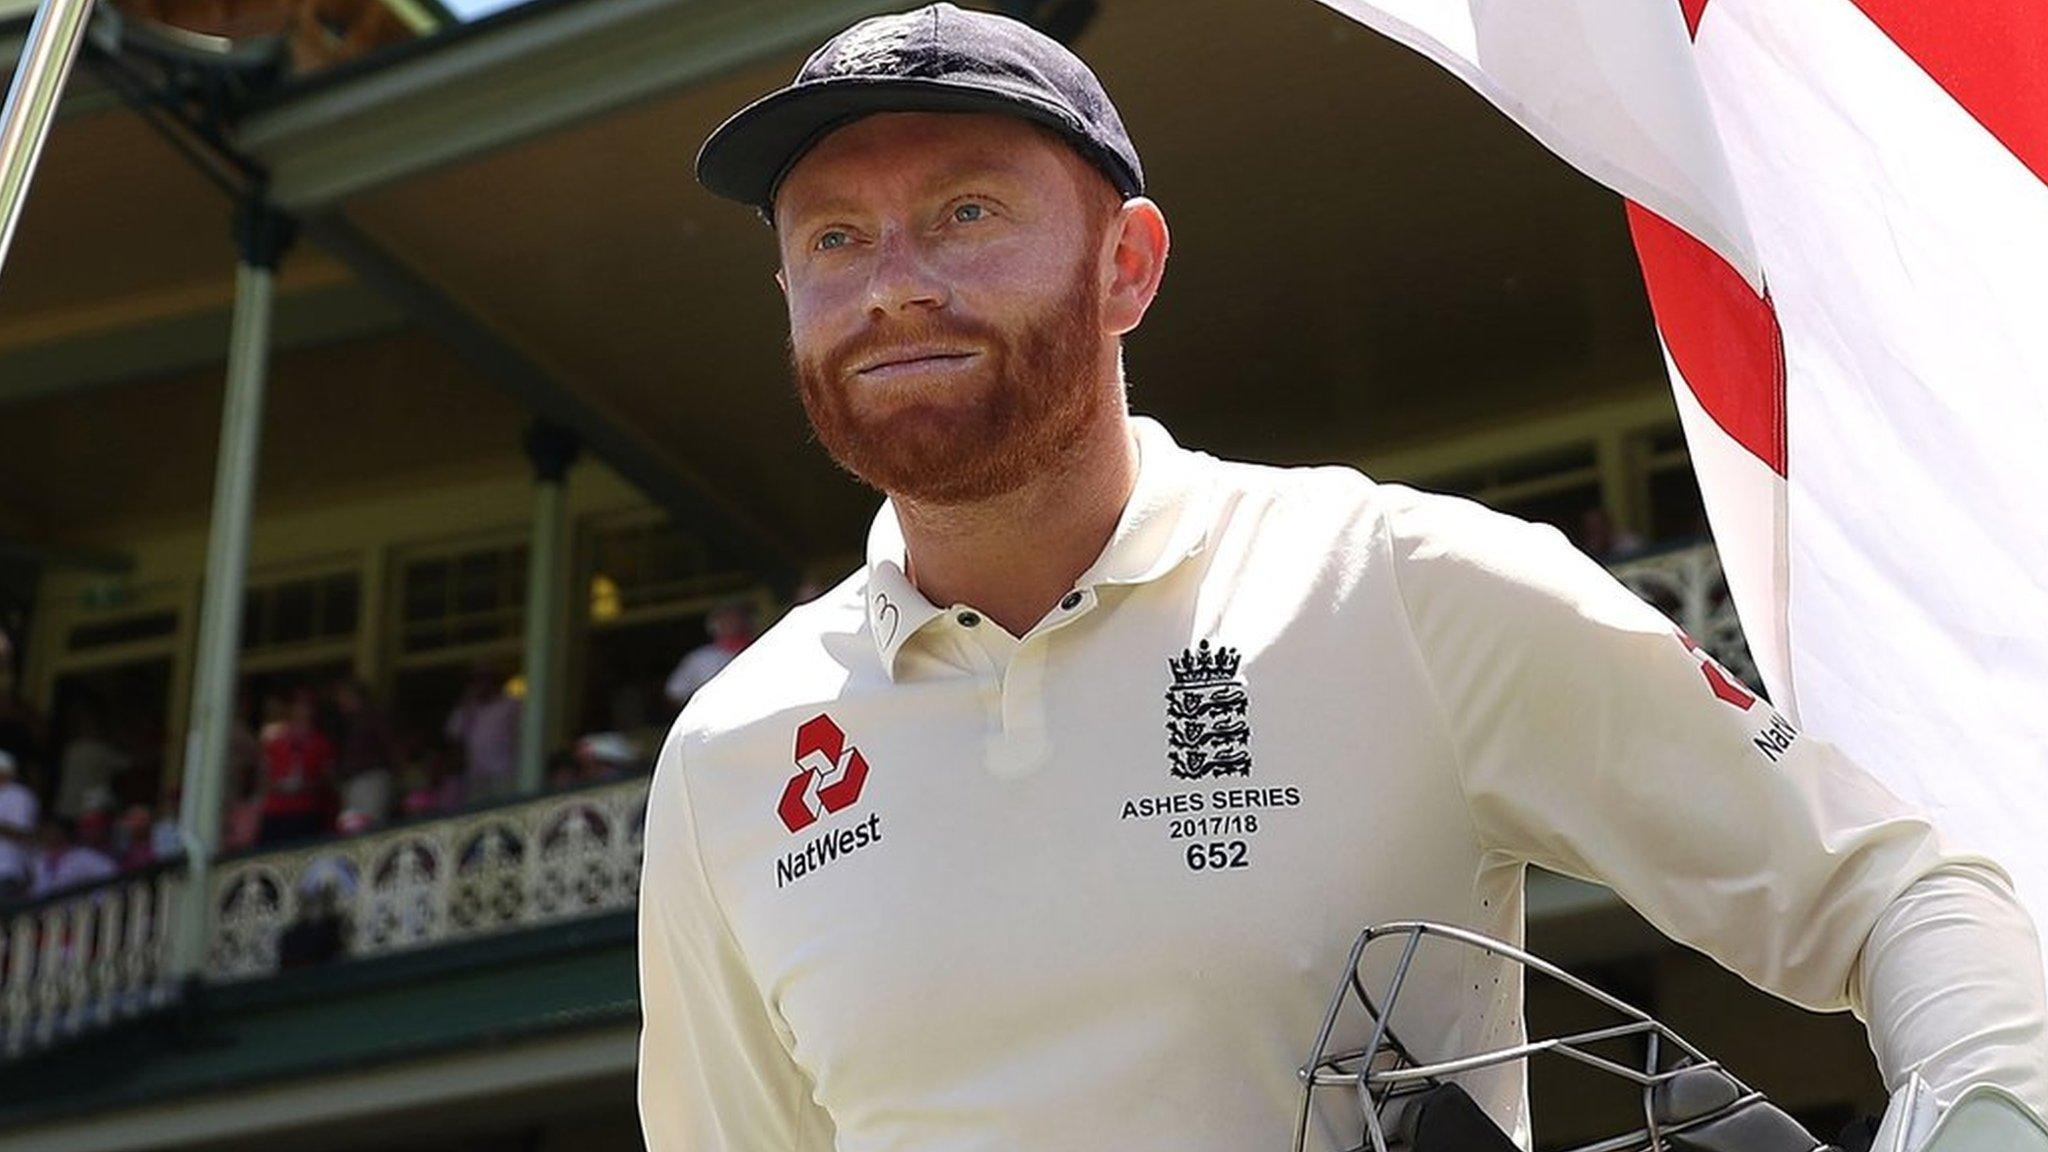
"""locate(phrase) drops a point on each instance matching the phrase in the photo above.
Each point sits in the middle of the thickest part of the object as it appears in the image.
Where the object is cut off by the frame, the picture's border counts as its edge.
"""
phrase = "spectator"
(241, 826)
(429, 790)
(367, 755)
(486, 724)
(90, 762)
(166, 842)
(607, 756)
(564, 769)
(427, 784)
(1600, 539)
(319, 935)
(298, 763)
(21, 726)
(66, 859)
(19, 811)
(133, 847)
(732, 628)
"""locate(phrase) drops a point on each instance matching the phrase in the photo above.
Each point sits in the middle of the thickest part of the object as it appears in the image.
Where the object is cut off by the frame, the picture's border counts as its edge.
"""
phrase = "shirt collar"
(1165, 522)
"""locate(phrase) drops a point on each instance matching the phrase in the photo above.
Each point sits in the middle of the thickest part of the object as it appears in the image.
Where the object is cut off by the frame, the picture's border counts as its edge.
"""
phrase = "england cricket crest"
(1207, 731)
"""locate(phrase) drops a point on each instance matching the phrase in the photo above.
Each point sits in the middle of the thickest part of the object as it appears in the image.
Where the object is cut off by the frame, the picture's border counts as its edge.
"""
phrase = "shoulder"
(1465, 564)
(1314, 505)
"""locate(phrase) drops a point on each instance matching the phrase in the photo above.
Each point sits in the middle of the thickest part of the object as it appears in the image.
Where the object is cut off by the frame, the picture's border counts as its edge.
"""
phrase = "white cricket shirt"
(914, 884)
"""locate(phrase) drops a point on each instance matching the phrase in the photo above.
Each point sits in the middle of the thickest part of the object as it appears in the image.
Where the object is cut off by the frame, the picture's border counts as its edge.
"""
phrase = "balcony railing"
(83, 959)
(88, 957)
(519, 865)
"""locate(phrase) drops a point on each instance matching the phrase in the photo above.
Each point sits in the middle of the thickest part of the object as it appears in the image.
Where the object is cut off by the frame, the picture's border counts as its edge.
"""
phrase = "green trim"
(348, 1018)
(350, 977)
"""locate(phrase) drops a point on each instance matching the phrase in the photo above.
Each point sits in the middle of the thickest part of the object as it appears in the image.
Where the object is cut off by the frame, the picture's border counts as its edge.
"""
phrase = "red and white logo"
(829, 774)
(1724, 685)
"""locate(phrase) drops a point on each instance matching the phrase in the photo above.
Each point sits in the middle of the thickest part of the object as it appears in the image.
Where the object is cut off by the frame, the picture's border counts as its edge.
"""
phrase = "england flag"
(1841, 212)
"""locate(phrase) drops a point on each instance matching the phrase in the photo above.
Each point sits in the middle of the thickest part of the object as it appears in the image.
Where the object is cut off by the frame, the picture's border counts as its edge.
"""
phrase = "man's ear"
(1137, 243)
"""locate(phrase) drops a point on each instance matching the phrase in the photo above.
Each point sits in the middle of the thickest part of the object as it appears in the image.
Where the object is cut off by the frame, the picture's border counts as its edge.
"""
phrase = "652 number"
(1217, 854)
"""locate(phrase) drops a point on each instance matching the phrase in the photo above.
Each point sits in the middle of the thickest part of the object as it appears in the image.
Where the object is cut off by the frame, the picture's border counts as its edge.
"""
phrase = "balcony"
(502, 936)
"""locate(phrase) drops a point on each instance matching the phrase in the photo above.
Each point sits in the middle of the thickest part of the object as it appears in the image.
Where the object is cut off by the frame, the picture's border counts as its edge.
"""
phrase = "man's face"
(944, 280)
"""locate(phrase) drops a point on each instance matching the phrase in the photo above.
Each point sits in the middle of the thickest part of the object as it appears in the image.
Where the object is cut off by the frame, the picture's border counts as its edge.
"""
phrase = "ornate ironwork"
(481, 873)
(1686, 584)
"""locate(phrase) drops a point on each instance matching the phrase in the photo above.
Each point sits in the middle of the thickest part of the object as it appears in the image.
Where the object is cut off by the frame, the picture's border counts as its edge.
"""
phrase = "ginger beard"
(1014, 418)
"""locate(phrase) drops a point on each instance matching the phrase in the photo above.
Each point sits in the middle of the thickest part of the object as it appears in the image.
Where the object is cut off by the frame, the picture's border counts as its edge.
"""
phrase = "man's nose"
(903, 278)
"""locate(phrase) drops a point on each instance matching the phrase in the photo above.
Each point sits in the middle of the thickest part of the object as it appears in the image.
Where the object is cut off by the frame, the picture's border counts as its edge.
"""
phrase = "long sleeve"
(714, 1072)
(1594, 739)
(1950, 985)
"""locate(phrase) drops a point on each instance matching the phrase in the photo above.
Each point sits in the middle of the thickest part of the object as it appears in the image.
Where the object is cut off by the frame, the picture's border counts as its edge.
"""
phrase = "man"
(90, 761)
(731, 627)
(298, 771)
(1050, 827)
(19, 812)
(71, 854)
(485, 722)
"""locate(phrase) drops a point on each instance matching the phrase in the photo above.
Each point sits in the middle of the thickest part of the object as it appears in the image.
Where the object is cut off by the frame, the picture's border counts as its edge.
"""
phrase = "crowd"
(324, 760)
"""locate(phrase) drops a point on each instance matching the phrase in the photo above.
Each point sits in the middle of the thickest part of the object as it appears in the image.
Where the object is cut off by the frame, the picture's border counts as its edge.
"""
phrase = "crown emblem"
(1204, 665)
(1207, 733)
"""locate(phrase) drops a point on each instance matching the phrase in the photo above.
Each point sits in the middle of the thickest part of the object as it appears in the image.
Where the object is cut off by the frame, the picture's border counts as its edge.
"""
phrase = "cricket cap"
(938, 58)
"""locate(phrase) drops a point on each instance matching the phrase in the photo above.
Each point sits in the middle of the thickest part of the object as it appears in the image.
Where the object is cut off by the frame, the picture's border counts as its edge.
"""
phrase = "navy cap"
(935, 59)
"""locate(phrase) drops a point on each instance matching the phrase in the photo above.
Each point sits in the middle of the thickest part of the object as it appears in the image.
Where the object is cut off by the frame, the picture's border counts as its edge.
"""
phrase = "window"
(462, 600)
(122, 630)
(637, 568)
(1676, 511)
(648, 586)
(301, 611)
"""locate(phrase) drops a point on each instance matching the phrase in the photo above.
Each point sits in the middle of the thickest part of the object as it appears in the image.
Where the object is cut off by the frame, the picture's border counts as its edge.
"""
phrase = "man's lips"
(910, 361)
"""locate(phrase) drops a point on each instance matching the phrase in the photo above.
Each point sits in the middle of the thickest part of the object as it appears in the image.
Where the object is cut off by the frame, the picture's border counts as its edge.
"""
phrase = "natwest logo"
(1725, 687)
(829, 774)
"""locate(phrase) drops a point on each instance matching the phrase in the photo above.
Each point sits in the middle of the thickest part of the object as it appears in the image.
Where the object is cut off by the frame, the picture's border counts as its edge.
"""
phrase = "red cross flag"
(1841, 212)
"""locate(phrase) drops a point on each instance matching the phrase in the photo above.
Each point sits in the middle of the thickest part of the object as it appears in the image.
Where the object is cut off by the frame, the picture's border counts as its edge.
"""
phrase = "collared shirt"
(912, 883)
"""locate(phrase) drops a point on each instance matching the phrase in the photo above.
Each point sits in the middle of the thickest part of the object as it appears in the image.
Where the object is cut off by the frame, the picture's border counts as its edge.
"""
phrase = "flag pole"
(46, 60)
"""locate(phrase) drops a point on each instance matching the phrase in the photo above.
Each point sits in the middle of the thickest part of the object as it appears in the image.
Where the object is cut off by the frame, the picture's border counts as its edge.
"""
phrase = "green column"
(263, 234)
(553, 450)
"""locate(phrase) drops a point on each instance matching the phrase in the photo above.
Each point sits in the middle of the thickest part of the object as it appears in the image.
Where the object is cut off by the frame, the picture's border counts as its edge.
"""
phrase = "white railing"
(80, 960)
(494, 870)
(1687, 585)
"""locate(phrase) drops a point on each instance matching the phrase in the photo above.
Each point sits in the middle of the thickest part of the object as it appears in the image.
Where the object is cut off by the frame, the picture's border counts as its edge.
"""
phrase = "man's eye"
(835, 238)
(968, 213)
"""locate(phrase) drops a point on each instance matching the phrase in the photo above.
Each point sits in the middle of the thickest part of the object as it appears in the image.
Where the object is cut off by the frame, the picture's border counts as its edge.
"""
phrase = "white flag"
(1841, 210)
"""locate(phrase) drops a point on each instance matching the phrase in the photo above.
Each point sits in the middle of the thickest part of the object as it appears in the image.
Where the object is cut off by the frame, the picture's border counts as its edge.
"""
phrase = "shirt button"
(968, 619)
(1072, 601)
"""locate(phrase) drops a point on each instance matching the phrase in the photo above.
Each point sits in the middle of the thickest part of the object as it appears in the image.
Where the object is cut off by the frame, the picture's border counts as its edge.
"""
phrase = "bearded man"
(1049, 828)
